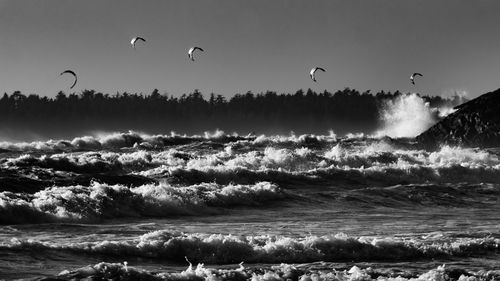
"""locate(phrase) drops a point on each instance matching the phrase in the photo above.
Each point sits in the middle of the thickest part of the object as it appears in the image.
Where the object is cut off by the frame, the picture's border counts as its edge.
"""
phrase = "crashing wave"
(102, 201)
(136, 140)
(118, 141)
(230, 249)
(281, 272)
(376, 163)
(409, 115)
(301, 159)
(357, 161)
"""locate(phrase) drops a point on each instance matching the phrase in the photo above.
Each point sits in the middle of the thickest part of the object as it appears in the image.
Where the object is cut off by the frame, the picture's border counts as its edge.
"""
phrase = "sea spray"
(409, 115)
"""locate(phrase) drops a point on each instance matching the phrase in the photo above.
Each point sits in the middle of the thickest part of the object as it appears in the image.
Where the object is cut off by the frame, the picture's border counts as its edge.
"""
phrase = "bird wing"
(74, 83)
(134, 40)
(74, 75)
(313, 71)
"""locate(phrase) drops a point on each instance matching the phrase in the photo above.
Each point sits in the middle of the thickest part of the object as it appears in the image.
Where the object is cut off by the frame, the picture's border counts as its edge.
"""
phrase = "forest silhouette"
(90, 111)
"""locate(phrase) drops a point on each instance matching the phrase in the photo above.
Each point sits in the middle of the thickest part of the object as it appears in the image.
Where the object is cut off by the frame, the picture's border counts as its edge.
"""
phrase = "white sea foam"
(117, 141)
(372, 160)
(229, 249)
(357, 159)
(281, 272)
(99, 201)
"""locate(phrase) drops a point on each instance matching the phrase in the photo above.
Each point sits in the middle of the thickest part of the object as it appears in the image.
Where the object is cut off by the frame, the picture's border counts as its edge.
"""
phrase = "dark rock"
(476, 123)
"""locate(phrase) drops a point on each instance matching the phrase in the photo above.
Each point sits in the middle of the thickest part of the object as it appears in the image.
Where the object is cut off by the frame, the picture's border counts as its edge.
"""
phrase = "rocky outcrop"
(476, 123)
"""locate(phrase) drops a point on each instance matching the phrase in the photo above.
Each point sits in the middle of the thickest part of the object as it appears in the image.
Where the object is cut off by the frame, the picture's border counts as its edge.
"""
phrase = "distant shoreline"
(34, 117)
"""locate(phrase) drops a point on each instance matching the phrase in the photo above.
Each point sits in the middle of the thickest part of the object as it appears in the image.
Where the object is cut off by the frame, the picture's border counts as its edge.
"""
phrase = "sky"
(250, 45)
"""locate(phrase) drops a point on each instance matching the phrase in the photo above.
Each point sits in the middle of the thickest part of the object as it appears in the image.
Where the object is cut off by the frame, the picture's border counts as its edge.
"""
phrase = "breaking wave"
(282, 272)
(379, 163)
(409, 115)
(101, 201)
(230, 249)
(118, 141)
(136, 140)
(131, 176)
(308, 159)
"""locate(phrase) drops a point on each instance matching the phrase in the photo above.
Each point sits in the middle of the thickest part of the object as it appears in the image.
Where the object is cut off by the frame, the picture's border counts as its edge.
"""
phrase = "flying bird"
(412, 77)
(191, 51)
(72, 73)
(135, 39)
(313, 72)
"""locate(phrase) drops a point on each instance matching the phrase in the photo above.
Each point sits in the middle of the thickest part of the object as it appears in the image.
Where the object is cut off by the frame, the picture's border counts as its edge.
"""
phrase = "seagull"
(72, 73)
(191, 51)
(412, 77)
(135, 39)
(313, 71)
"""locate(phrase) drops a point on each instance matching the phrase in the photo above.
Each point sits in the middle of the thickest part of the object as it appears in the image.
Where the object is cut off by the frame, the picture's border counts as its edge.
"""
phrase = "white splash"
(408, 116)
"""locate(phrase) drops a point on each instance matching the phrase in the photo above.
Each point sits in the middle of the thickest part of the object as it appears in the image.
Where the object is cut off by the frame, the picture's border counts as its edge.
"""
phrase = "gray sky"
(251, 45)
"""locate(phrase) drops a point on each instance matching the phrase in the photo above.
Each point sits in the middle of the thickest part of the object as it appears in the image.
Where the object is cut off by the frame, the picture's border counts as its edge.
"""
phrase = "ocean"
(132, 206)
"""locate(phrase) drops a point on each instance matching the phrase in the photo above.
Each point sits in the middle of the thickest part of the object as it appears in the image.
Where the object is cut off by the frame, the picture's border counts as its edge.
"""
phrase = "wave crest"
(280, 272)
(102, 201)
(230, 249)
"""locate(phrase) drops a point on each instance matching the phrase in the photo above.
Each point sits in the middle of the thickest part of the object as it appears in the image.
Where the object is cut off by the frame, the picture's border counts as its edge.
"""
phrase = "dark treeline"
(344, 111)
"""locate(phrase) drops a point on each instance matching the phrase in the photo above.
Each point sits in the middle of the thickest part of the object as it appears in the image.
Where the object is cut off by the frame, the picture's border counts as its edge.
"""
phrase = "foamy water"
(299, 207)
